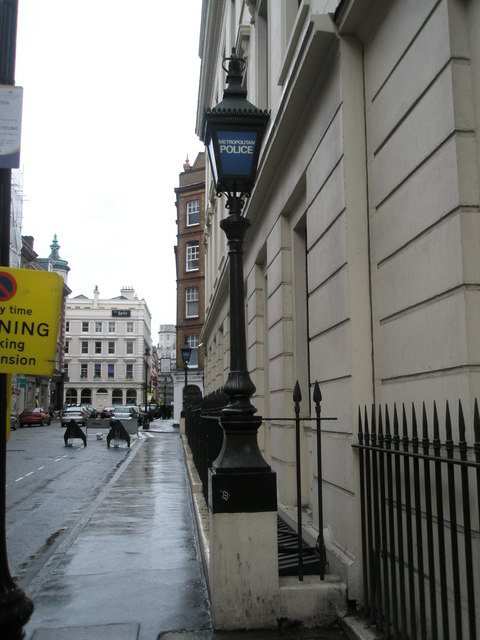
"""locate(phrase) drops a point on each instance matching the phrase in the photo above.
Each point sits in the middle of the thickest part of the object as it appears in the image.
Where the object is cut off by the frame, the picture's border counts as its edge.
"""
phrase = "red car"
(34, 415)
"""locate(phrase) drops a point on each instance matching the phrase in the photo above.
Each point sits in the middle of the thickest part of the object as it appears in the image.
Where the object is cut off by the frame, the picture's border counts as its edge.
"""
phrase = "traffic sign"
(30, 303)
(8, 286)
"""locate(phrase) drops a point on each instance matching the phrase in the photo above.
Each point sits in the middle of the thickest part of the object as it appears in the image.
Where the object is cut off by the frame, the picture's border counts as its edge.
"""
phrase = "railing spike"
(297, 394)
(436, 426)
(476, 422)
(387, 422)
(317, 394)
(404, 424)
(448, 423)
(414, 424)
(395, 421)
(461, 422)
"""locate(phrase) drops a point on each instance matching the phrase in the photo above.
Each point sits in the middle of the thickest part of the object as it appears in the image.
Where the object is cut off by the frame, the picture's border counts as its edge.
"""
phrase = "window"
(97, 374)
(84, 371)
(129, 347)
(111, 327)
(129, 327)
(67, 325)
(67, 346)
(86, 396)
(111, 347)
(98, 327)
(192, 341)
(85, 326)
(65, 370)
(192, 255)
(111, 371)
(71, 396)
(191, 300)
(84, 346)
(98, 347)
(131, 396)
(129, 372)
(193, 212)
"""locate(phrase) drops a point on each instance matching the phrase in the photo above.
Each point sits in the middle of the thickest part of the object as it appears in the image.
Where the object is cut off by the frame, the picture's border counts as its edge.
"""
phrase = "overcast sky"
(109, 108)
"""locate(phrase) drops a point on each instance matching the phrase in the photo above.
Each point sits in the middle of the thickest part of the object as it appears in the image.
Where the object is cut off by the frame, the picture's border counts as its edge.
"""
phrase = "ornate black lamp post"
(146, 418)
(186, 352)
(165, 393)
(233, 132)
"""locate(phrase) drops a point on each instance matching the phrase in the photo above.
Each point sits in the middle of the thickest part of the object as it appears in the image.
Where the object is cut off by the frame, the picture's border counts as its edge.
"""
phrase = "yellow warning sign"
(30, 303)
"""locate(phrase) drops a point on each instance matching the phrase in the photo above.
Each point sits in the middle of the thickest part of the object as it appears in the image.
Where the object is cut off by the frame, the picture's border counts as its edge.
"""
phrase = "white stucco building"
(362, 263)
(105, 349)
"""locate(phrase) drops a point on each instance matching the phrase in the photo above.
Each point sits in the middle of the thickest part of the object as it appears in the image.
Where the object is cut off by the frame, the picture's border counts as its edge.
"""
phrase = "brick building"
(190, 267)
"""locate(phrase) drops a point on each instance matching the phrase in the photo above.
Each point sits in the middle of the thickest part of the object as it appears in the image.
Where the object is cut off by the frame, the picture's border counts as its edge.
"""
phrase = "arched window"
(131, 396)
(117, 396)
(71, 396)
(86, 396)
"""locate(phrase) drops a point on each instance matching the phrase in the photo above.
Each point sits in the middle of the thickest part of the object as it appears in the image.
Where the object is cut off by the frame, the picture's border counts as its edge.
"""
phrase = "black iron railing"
(204, 433)
(420, 510)
(205, 439)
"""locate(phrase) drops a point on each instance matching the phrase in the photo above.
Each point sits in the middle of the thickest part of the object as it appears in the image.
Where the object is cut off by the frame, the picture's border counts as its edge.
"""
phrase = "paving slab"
(90, 632)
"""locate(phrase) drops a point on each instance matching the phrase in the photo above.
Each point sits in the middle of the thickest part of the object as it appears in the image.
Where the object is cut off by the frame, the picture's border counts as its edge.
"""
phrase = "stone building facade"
(108, 350)
(361, 265)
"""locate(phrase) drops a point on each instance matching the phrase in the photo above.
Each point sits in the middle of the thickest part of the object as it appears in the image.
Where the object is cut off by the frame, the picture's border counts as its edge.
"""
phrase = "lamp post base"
(242, 492)
(243, 572)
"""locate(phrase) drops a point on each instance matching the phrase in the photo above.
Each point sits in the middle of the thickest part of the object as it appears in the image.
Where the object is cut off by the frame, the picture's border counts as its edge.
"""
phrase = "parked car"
(91, 412)
(125, 412)
(107, 412)
(34, 415)
(13, 422)
(78, 414)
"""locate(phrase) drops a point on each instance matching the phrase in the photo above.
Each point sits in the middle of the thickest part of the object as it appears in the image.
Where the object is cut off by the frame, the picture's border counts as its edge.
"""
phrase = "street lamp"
(165, 394)
(233, 132)
(186, 352)
(145, 420)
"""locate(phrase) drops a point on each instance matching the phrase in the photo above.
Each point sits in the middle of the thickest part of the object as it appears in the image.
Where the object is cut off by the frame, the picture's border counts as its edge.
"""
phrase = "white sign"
(10, 126)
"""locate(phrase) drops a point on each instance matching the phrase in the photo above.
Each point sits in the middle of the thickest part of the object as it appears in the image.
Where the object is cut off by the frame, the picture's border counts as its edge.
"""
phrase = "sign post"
(15, 607)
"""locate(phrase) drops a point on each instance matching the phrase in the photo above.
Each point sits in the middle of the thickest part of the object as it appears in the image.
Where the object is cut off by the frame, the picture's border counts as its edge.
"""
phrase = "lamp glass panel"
(213, 162)
(237, 151)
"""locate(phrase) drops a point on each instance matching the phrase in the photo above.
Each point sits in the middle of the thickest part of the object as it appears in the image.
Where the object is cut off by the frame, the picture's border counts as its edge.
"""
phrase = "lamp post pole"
(233, 132)
(186, 352)
(146, 417)
(15, 607)
(242, 498)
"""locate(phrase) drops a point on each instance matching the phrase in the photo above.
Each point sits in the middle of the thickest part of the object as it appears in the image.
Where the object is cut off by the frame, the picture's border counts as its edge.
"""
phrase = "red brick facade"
(189, 255)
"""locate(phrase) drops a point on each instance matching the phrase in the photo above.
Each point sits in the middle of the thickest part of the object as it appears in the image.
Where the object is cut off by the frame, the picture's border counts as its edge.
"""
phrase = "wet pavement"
(132, 569)
(135, 563)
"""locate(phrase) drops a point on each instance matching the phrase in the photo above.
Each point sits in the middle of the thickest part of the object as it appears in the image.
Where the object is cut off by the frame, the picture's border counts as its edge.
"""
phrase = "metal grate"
(288, 553)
